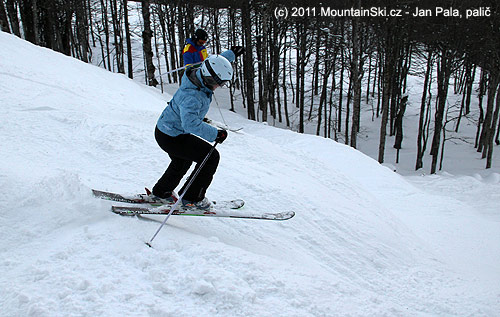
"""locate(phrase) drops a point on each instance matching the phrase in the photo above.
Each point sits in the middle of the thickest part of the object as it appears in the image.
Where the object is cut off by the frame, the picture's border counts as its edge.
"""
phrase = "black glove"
(221, 135)
(237, 50)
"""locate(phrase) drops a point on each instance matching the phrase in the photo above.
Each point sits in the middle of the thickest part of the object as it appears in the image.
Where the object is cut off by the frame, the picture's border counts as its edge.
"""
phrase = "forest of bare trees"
(320, 70)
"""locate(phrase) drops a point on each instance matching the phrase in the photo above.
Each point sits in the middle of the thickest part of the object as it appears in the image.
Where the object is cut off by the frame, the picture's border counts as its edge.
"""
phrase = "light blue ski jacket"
(185, 112)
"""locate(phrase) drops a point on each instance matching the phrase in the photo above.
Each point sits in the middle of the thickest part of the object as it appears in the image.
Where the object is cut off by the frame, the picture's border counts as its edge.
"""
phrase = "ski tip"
(282, 215)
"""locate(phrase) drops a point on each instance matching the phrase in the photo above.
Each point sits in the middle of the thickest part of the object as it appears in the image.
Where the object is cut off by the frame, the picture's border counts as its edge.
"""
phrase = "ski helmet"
(216, 70)
(200, 34)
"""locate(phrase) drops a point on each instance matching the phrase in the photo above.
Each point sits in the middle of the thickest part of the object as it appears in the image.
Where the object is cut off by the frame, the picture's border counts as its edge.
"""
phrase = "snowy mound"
(68, 127)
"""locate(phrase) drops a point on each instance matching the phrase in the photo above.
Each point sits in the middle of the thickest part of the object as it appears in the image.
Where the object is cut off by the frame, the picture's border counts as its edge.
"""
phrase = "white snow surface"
(365, 241)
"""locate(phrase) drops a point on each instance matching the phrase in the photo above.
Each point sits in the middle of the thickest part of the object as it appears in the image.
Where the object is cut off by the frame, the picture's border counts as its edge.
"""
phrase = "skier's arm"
(191, 121)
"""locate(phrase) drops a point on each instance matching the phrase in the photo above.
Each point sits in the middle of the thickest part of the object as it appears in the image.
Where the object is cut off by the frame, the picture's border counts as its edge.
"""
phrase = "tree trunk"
(482, 88)
(275, 57)
(497, 137)
(493, 127)
(399, 125)
(323, 97)
(128, 40)
(301, 69)
(341, 89)
(81, 30)
(487, 133)
(106, 32)
(118, 38)
(146, 45)
(175, 60)
(315, 81)
(248, 60)
(27, 17)
(4, 22)
(285, 91)
(14, 20)
(387, 81)
(470, 83)
(444, 73)
(421, 124)
(357, 75)
(348, 111)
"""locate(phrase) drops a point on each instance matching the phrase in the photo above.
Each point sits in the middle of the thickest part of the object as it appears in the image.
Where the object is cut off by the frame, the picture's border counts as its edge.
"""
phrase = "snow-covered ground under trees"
(365, 241)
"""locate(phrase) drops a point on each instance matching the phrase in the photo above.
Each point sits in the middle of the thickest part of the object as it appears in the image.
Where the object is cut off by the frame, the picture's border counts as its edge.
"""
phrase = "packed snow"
(365, 241)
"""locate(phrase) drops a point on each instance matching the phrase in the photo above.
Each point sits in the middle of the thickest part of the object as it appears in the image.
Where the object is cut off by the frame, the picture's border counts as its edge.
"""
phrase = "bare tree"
(248, 60)
(128, 40)
(424, 112)
(146, 45)
(443, 77)
(11, 7)
(4, 22)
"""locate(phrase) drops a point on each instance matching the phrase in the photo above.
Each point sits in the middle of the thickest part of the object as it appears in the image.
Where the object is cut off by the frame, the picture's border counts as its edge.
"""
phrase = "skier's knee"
(214, 158)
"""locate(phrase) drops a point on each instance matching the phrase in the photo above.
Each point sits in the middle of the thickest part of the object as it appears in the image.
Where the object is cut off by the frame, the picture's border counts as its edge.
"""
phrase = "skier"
(195, 51)
(180, 130)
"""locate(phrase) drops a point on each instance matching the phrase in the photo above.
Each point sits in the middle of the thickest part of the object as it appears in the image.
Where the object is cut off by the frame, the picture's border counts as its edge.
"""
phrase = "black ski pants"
(183, 150)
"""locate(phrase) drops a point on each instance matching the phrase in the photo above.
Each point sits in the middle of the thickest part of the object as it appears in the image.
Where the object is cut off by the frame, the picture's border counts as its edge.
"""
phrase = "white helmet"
(216, 69)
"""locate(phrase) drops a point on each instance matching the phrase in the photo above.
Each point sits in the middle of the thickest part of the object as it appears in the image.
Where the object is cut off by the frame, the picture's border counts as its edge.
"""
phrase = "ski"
(132, 199)
(153, 201)
(216, 211)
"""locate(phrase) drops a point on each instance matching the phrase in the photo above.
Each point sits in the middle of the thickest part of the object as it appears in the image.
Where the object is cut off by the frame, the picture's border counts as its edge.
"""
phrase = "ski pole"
(180, 68)
(179, 200)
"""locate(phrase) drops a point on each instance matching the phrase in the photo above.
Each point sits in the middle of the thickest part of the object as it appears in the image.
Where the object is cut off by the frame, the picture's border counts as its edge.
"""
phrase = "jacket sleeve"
(191, 121)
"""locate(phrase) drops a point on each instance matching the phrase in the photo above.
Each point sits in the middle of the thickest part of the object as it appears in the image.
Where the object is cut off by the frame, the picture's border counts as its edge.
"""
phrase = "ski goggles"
(210, 82)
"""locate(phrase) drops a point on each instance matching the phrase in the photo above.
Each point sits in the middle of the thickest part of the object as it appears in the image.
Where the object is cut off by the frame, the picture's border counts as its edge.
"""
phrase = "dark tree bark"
(488, 130)
(81, 30)
(128, 40)
(146, 45)
(175, 60)
(117, 33)
(482, 91)
(356, 76)
(388, 74)
(4, 22)
(104, 7)
(399, 126)
(248, 61)
(302, 47)
(421, 138)
(443, 76)
(10, 6)
(489, 156)
(284, 85)
(341, 86)
(27, 17)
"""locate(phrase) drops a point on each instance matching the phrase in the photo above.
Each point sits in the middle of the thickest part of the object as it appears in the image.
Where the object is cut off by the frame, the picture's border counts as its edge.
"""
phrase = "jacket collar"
(198, 47)
(195, 81)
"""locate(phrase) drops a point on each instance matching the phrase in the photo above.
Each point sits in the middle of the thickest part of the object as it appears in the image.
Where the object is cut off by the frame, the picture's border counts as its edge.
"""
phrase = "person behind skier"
(182, 133)
(195, 51)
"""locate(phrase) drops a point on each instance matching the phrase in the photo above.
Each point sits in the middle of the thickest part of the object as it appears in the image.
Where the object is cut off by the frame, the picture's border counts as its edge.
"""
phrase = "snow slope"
(364, 240)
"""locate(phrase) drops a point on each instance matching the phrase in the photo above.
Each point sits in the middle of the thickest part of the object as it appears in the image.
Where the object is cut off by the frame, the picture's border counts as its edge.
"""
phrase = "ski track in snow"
(364, 241)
